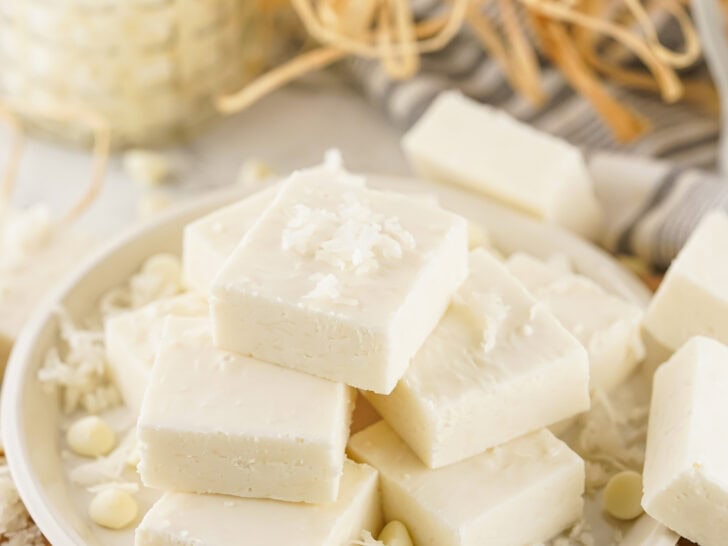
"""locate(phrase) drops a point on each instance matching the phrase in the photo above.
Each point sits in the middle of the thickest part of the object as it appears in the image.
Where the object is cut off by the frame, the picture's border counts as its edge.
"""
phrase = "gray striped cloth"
(654, 190)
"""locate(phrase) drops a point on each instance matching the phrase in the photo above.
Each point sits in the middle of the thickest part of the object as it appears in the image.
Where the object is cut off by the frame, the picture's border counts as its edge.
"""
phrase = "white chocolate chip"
(477, 236)
(623, 495)
(254, 171)
(153, 202)
(147, 168)
(395, 534)
(166, 266)
(134, 458)
(113, 508)
(91, 437)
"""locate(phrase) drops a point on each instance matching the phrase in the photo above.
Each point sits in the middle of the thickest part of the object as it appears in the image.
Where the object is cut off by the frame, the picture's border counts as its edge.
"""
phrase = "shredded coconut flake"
(488, 311)
(611, 438)
(560, 263)
(535, 309)
(24, 232)
(79, 370)
(333, 159)
(328, 288)
(106, 470)
(160, 277)
(366, 539)
(352, 238)
(16, 526)
(582, 534)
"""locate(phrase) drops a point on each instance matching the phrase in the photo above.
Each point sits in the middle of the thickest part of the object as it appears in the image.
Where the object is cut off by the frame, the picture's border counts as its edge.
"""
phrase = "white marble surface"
(291, 128)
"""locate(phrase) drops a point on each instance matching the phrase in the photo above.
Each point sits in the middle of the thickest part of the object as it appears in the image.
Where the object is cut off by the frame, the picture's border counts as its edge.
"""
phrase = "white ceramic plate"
(31, 417)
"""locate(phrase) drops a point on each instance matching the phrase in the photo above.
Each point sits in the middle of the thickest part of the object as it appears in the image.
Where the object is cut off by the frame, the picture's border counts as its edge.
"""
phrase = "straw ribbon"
(385, 30)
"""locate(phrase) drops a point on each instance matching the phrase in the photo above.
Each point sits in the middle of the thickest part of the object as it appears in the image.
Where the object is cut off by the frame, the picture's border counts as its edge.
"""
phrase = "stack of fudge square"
(321, 287)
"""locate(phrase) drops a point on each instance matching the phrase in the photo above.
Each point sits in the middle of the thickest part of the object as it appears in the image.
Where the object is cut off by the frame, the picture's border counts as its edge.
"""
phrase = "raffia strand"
(626, 124)
(15, 151)
(62, 112)
(383, 30)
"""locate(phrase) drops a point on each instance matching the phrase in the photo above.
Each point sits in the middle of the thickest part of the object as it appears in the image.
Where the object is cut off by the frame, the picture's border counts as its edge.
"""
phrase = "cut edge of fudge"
(180, 519)
(214, 454)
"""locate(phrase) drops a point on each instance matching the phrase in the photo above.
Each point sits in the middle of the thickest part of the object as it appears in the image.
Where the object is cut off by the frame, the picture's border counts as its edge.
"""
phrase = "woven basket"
(149, 68)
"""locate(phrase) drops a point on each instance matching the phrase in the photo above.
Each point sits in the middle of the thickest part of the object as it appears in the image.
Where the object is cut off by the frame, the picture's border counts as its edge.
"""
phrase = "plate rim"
(29, 486)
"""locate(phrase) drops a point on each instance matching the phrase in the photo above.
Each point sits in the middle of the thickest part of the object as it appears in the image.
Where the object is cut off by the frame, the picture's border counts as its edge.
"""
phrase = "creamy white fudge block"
(693, 298)
(522, 492)
(461, 141)
(497, 366)
(647, 531)
(183, 519)
(608, 327)
(209, 241)
(686, 462)
(218, 422)
(339, 280)
(133, 337)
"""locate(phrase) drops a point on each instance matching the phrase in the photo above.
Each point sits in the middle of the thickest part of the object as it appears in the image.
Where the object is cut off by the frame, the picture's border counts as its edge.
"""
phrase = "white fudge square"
(340, 281)
(132, 339)
(461, 141)
(522, 492)
(183, 519)
(693, 298)
(686, 462)
(217, 422)
(209, 241)
(608, 327)
(499, 365)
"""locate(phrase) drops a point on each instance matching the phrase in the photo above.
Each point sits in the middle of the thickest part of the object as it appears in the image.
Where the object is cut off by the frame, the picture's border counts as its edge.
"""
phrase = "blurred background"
(112, 111)
(85, 86)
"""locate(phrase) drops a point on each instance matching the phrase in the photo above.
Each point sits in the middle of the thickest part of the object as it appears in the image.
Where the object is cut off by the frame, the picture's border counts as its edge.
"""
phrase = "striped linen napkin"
(654, 190)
